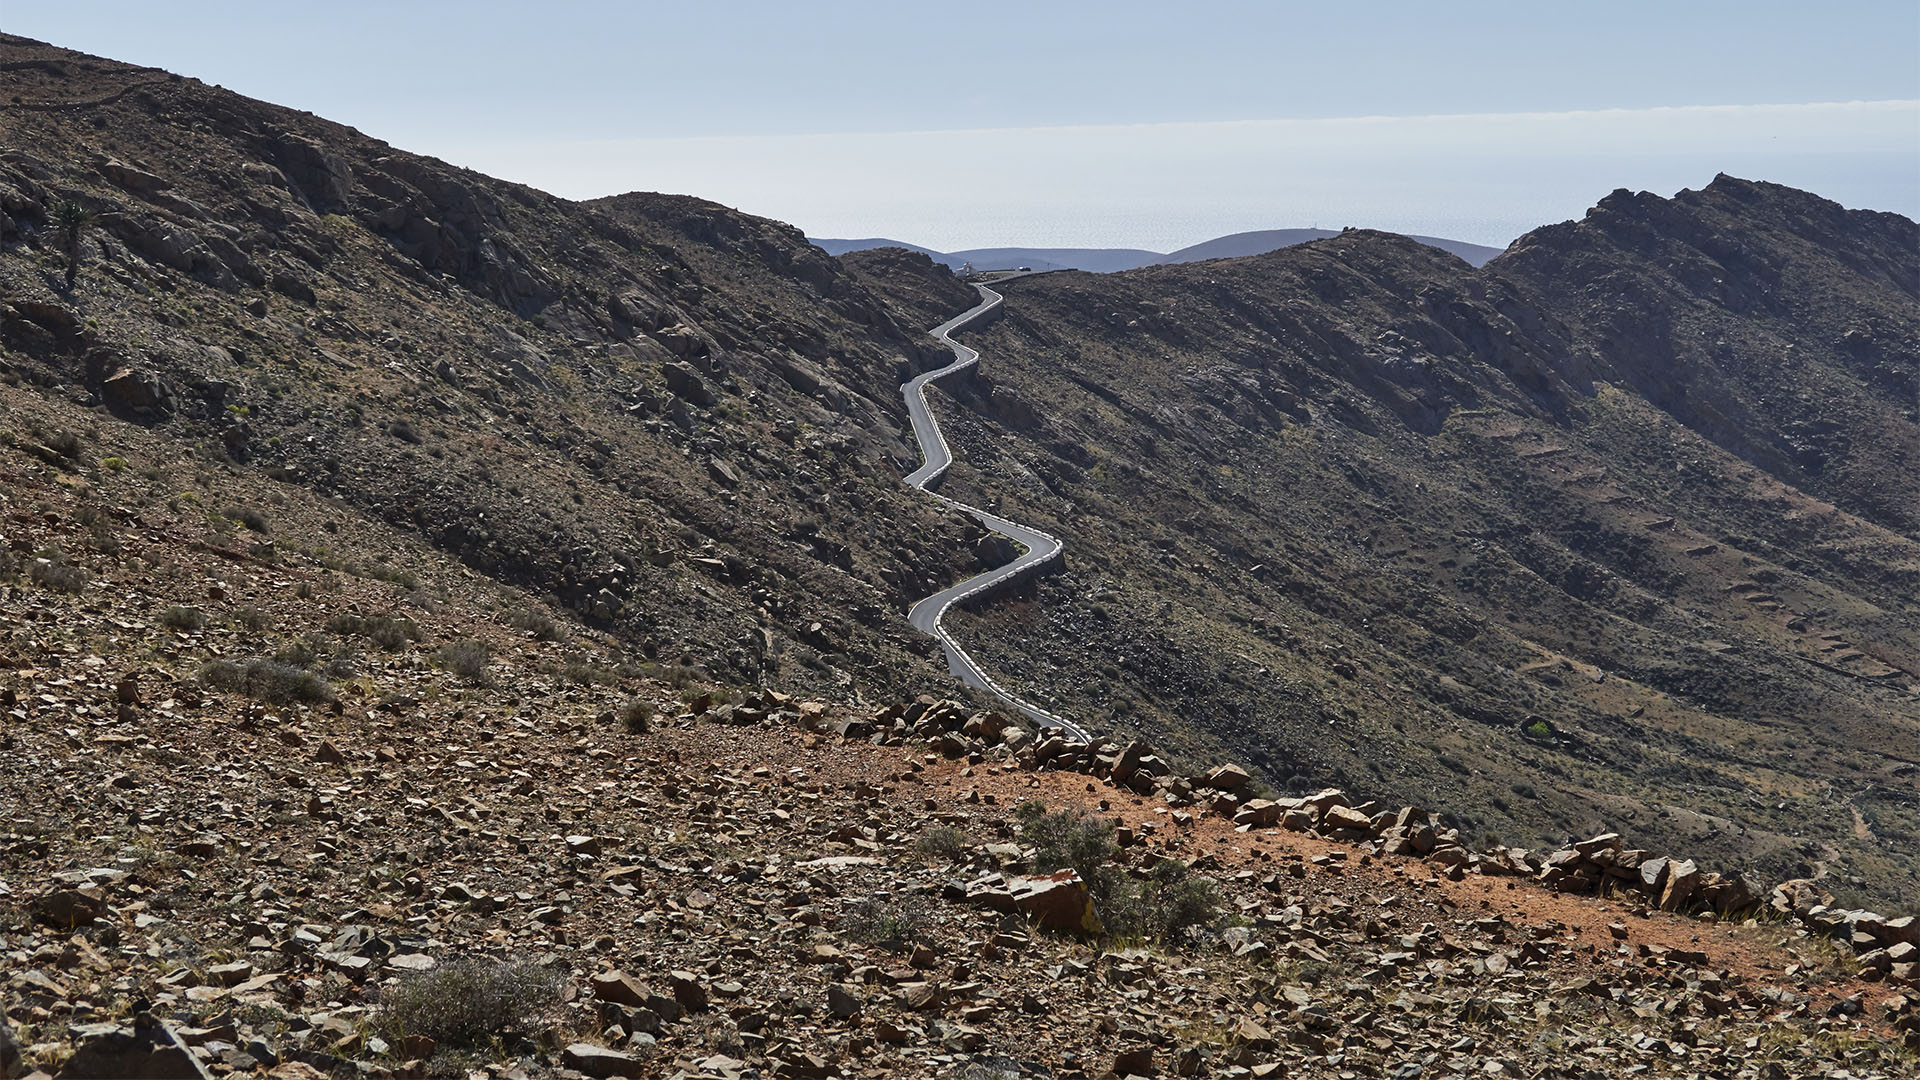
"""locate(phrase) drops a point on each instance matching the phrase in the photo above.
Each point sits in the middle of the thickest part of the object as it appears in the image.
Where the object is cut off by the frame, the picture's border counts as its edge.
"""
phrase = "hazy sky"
(1095, 124)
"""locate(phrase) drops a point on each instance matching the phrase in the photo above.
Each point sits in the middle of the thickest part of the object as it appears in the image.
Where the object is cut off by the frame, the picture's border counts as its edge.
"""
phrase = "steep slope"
(396, 564)
(544, 862)
(678, 420)
(1773, 322)
(1355, 510)
(914, 285)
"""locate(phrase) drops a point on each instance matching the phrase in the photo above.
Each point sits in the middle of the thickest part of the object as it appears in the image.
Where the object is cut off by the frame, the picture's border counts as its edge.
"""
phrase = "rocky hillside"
(381, 816)
(677, 420)
(444, 627)
(1488, 539)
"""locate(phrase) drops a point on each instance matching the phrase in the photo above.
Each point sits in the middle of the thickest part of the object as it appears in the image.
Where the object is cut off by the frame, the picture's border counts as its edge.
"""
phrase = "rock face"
(139, 393)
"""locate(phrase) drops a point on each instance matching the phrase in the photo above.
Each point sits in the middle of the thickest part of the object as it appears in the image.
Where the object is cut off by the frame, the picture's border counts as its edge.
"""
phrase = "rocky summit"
(448, 630)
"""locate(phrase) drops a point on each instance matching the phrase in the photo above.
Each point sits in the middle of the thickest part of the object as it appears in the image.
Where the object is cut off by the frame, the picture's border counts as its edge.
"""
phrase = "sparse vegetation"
(186, 619)
(637, 716)
(63, 442)
(393, 575)
(1175, 902)
(582, 670)
(389, 633)
(266, 680)
(531, 620)
(1350, 514)
(336, 659)
(469, 1001)
(943, 842)
(1171, 903)
(467, 658)
(71, 224)
(892, 919)
(51, 569)
(252, 518)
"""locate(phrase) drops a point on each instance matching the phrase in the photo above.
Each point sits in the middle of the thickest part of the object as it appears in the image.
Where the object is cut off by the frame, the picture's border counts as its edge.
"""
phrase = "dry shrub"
(51, 570)
(389, 633)
(466, 658)
(468, 1001)
(266, 680)
(531, 620)
(637, 716)
(183, 618)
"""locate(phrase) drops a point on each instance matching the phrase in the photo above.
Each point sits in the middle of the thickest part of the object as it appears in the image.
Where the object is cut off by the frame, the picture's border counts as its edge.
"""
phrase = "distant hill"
(841, 247)
(1109, 260)
(1259, 243)
(1098, 260)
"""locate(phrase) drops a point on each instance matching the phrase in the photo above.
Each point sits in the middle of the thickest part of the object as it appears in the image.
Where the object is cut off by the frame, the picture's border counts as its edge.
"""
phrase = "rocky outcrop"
(1602, 865)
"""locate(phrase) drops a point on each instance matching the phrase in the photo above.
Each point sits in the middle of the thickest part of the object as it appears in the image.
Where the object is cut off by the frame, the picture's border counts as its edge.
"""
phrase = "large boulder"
(1798, 897)
(1728, 895)
(1653, 874)
(1258, 813)
(137, 392)
(687, 384)
(1058, 901)
(618, 987)
(1320, 802)
(1682, 877)
(1344, 822)
(1227, 777)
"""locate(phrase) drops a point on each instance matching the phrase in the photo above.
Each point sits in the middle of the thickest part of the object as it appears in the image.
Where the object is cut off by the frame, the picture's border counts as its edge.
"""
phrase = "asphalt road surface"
(1037, 547)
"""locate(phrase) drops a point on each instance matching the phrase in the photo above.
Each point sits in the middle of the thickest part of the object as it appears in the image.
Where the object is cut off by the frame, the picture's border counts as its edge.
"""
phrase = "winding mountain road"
(1038, 547)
